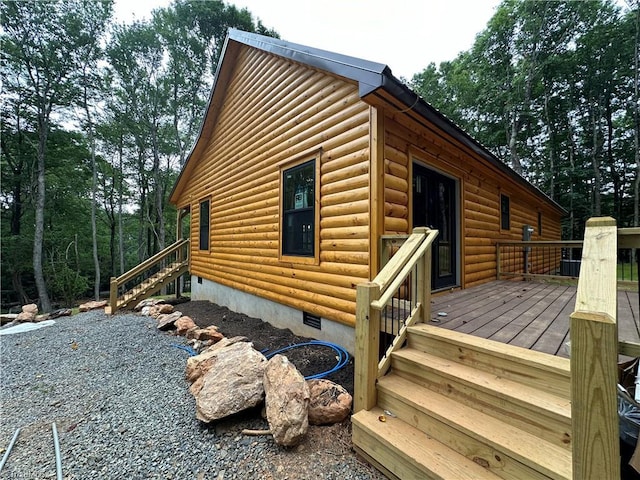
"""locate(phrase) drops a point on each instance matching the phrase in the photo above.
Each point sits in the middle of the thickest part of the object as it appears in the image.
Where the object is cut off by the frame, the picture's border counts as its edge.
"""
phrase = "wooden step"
(539, 370)
(406, 452)
(540, 413)
(507, 451)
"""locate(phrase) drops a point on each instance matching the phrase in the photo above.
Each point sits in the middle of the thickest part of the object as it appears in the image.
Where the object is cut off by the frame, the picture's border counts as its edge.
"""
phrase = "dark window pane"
(505, 220)
(204, 225)
(298, 215)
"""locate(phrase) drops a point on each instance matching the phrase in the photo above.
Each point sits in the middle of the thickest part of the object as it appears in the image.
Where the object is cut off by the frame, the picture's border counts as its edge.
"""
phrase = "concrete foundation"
(276, 314)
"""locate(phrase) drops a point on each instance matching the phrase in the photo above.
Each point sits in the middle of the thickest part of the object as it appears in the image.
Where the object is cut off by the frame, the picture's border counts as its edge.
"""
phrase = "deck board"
(526, 314)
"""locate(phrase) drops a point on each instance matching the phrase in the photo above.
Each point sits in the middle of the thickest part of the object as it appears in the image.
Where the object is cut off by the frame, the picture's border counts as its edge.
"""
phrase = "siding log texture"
(273, 112)
(268, 113)
(480, 187)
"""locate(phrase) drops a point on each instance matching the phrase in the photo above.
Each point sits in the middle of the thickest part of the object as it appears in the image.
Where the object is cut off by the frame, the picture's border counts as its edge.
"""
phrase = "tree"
(38, 43)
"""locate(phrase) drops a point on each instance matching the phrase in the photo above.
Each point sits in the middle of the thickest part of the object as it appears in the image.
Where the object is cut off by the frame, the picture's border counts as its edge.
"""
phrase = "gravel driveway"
(115, 388)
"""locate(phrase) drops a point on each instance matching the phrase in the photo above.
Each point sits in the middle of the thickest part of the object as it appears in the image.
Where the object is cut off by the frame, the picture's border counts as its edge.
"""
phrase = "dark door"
(434, 206)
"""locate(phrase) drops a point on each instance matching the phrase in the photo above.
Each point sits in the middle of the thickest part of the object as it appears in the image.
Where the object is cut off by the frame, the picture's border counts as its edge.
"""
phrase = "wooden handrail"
(151, 261)
(116, 282)
(594, 355)
(629, 237)
(372, 297)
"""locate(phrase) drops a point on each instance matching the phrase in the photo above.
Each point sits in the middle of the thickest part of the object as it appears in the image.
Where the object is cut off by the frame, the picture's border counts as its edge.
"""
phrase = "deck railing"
(594, 357)
(398, 297)
(538, 260)
(561, 261)
(174, 254)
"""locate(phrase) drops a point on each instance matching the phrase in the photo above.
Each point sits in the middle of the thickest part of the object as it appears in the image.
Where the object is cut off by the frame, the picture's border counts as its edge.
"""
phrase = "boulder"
(165, 308)
(166, 322)
(31, 308)
(329, 402)
(233, 382)
(184, 324)
(147, 302)
(93, 305)
(287, 401)
(28, 313)
(210, 333)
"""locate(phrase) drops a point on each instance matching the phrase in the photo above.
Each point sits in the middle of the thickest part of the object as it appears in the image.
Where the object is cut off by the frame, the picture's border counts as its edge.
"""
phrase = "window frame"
(505, 221)
(202, 202)
(539, 224)
(314, 258)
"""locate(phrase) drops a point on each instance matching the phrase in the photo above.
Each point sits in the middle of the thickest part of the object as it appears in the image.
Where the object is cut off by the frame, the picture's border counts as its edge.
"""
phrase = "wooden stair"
(153, 284)
(461, 407)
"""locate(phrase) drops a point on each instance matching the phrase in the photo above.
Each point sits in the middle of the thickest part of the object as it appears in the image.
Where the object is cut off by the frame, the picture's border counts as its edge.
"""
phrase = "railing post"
(113, 295)
(594, 357)
(423, 283)
(367, 347)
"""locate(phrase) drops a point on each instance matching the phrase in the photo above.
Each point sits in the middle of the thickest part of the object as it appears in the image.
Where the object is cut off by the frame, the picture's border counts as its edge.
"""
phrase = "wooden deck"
(527, 314)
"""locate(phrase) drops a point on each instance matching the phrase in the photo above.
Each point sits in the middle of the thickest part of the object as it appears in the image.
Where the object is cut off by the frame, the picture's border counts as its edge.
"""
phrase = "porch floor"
(532, 315)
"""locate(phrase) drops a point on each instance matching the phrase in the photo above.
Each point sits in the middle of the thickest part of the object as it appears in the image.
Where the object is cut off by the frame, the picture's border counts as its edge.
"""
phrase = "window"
(505, 220)
(204, 225)
(540, 224)
(298, 210)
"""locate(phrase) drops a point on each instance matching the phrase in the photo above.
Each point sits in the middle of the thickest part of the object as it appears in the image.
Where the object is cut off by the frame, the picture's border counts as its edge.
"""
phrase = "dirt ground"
(309, 360)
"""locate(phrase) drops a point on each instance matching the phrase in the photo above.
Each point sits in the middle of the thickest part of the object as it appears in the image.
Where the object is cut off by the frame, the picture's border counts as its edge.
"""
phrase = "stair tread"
(501, 387)
(429, 455)
(513, 353)
(552, 460)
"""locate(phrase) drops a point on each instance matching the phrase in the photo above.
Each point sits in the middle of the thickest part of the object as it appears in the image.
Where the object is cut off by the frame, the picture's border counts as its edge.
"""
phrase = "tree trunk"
(94, 188)
(38, 236)
(120, 202)
(597, 178)
(636, 136)
(513, 150)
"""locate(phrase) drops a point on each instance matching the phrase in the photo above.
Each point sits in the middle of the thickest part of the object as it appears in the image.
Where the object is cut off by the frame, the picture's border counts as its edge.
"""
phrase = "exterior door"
(434, 206)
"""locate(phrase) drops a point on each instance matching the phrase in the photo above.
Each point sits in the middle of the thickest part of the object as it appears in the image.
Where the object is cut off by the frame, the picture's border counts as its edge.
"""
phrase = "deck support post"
(423, 282)
(367, 347)
(594, 357)
(113, 295)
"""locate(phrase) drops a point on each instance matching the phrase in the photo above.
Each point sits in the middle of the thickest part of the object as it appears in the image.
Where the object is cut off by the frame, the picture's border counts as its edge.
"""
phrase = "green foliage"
(65, 283)
(548, 87)
(131, 100)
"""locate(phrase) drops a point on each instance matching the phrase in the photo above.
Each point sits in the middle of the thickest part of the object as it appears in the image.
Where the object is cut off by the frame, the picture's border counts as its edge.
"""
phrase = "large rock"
(184, 324)
(166, 322)
(165, 308)
(92, 305)
(287, 401)
(329, 403)
(232, 383)
(28, 313)
(209, 333)
(147, 302)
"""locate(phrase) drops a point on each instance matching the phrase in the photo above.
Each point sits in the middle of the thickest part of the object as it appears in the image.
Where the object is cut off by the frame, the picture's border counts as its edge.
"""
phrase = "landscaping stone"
(329, 403)
(287, 401)
(233, 382)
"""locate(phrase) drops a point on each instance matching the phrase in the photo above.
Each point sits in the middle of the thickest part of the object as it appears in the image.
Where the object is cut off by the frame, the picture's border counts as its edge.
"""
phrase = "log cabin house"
(306, 159)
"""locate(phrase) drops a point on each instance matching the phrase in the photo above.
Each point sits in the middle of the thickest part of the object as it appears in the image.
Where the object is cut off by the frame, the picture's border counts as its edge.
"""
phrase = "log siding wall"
(480, 187)
(273, 112)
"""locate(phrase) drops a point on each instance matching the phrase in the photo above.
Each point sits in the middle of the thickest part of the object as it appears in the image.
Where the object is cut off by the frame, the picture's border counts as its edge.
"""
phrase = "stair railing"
(175, 253)
(397, 298)
(594, 356)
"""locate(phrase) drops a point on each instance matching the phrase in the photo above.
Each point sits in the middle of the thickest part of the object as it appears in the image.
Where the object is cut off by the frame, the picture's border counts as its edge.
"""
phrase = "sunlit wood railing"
(594, 356)
(401, 291)
(149, 276)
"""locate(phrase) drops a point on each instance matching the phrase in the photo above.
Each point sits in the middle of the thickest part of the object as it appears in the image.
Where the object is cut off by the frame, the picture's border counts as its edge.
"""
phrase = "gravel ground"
(115, 388)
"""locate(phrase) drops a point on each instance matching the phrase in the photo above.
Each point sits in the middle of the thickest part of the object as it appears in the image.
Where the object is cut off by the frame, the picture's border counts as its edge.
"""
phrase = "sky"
(406, 35)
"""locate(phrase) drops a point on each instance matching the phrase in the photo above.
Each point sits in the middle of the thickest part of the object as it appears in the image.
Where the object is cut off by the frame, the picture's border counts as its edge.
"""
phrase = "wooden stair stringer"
(153, 284)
